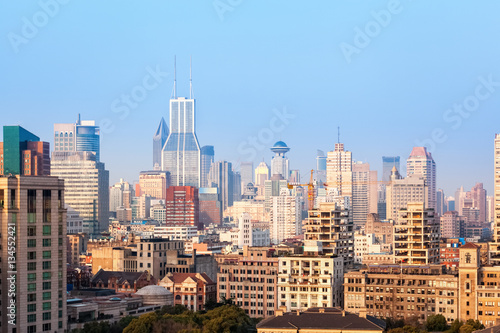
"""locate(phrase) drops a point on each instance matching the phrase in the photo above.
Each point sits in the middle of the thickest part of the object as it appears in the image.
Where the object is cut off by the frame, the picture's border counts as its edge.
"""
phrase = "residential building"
(250, 279)
(210, 206)
(401, 191)
(416, 236)
(422, 164)
(154, 184)
(451, 225)
(330, 226)
(74, 221)
(159, 140)
(339, 170)
(122, 282)
(221, 176)
(285, 216)
(272, 188)
(310, 281)
(193, 290)
(262, 173)
(381, 229)
(364, 193)
(180, 232)
(77, 244)
(33, 226)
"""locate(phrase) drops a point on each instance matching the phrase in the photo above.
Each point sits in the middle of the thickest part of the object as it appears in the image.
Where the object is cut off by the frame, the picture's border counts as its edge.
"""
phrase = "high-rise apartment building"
(416, 236)
(207, 158)
(401, 191)
(339, 170)
(388, 162)
(159, 140)
(364, 192)
(280, 164)
(182, 206)
(440, 202)
(210, 206)
(421, 163)
(451, 224)
(154, 184)
(285, 216)
(22, 153)
(120, 195)
(78, 137)
(330, 226)
(33, 280)
(181, 154)
(221, 176)
(86, 187)
(495, 247)
(261, 174)
(320, 166)
(272, 188)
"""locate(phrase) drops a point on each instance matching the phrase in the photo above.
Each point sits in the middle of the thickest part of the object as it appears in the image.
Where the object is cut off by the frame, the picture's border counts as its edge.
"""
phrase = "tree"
(436, 323)
(143, 324)
(407, 329)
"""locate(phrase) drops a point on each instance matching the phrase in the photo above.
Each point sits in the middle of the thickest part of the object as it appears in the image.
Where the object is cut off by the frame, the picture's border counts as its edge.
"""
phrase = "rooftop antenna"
(338, 134)
(190, 78)
(174, 92)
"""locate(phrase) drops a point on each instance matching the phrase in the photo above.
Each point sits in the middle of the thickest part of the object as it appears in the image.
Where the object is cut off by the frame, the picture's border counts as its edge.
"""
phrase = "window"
(47, 327)
(31, 318)
(47, 230)
(47, 255)
(47, 275)
(31, 286)
(47, 305)
(31, 255)
(46, 264)
(47, 295)
(31, 277)
(31, 307)
(31, 242)
(31, 231)
(31, 266)
(47, 285)
(31, 297)
(47, 242)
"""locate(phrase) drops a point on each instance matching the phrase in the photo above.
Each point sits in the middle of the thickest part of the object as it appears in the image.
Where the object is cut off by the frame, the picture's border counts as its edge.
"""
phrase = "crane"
(310, 190)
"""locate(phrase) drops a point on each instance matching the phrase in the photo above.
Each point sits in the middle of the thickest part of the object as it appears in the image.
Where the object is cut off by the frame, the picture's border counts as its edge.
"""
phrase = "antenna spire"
(190, 78)
(174, 92)
(338, 134)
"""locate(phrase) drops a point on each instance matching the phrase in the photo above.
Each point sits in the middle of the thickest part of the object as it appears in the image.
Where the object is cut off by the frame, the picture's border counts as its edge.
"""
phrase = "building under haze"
(207, 158)
(420, 163)
(280, 164)
(495, 246)
(221, 176)
(80, 136)
(388, 162)
(159, 140)
(364, 192)
(22, 153)
(181, 154)
(246, 171)
(339, 170)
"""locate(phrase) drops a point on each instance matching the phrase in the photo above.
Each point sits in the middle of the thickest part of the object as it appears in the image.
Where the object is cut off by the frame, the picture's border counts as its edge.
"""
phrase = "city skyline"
(394, 88)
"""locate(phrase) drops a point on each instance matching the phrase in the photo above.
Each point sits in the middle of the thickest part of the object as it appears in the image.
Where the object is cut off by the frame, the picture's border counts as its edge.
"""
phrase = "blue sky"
(388, 88)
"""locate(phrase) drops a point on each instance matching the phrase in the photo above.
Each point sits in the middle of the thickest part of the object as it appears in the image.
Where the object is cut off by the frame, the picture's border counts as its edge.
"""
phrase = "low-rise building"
(193, 290)
(122, 282)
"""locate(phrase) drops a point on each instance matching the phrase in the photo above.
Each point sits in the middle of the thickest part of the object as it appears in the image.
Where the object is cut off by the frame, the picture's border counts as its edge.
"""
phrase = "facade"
(154, 184)
(401, 191)
(285, 217)
(74, 221)
(330, 226)
(416, 236)
(193, 290)
(22, 153)
(117, 193)
(402, 292)
(207, 158)
(381, 229)
(339, 170)
(181, 153)
(33, 225)
(122, 282)
(182, 206)
(262, 173)
(250, 279)
(272, 188)
(280, 164)
(221, 176)
(388, 162)
(82, 136)
(159, 140)
(364, 193)
(77, 244)
(246, 171)
(210, 206)
(310, 281)
(422, 164)
(86, 187)
(176, 232)
(451, 224)
(248, 234)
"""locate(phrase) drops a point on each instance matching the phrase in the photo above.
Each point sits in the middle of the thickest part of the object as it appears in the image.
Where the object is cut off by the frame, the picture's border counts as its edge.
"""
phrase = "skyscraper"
(339, 170)
(402, 191)
(285, 216)
(280, 164)
(246, 171)
(388, 162)
(181, 154)
(182, 206)
(364, 192)
(159, 140)
(221, 176)
(420, 163)
(495, 247)
(320, 166)
(207, 158)
(86, 187)
(261, 174)
(80, 136)
(22, 153)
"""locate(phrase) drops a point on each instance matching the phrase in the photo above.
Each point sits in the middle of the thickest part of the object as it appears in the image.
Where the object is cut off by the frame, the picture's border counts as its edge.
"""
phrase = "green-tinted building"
(22, 153)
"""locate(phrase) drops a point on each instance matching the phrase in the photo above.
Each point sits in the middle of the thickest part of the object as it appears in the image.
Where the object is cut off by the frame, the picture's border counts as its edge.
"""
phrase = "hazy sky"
(391, 74)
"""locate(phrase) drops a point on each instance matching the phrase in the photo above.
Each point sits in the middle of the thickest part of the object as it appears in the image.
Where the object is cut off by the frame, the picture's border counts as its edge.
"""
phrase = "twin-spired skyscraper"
(181, 152)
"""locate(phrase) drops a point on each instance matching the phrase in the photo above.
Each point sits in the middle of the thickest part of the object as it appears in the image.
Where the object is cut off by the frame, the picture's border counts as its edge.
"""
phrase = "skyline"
(280, 63)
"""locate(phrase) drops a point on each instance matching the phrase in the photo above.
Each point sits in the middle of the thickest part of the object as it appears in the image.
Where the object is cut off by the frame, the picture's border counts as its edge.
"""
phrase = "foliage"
(407, 329)
(222, 319)
(436, 323)
(394, 323)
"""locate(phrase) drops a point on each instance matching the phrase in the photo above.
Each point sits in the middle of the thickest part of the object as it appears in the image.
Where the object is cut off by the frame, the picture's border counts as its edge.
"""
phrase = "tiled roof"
(104, 276)
(469, 246)
(181, 277)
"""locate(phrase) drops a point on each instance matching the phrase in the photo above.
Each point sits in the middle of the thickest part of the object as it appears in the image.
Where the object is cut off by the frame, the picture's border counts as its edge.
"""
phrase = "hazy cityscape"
(199, 184)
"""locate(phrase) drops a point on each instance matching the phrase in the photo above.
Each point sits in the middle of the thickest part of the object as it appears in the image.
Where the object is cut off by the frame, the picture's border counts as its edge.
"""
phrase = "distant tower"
(82, 136)
(181, 152)
(207, 158)
(159, 140)
(279, 163)
(261, 174)
(422, 164)
(388, 162)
